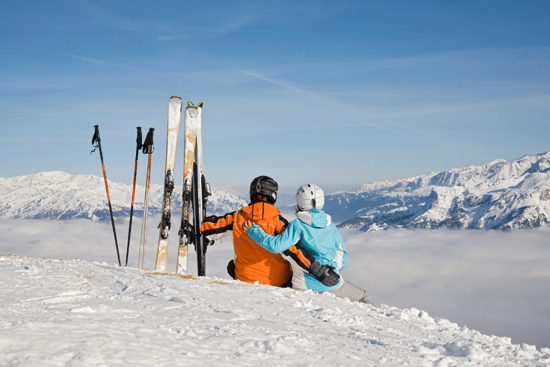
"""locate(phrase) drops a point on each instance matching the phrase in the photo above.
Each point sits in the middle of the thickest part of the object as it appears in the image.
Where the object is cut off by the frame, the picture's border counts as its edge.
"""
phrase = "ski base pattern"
(174, 117)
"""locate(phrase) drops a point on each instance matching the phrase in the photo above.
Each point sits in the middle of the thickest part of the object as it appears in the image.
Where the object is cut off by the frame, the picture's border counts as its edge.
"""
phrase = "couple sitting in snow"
(306, 254)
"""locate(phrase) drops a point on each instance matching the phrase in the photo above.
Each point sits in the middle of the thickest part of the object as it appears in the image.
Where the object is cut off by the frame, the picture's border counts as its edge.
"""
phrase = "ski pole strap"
(148, 143)
(139, 139)
(95, 139)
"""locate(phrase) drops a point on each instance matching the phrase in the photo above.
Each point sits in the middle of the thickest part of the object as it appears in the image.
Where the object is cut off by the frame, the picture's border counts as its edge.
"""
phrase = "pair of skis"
(195, 189)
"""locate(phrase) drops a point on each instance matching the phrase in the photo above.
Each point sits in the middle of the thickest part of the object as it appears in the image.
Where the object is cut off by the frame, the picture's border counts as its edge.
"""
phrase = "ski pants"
(354, 293)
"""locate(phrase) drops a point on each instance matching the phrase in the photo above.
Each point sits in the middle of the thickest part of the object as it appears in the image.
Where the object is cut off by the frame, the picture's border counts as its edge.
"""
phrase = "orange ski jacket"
(252, 262)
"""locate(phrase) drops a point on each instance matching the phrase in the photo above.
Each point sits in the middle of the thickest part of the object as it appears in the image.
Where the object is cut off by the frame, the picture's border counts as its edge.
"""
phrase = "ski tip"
(190, 104)
(200, 104)
(178, 97)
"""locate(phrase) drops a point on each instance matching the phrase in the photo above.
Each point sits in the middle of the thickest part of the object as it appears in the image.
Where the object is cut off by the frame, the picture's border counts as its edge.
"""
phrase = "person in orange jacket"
(252, 263)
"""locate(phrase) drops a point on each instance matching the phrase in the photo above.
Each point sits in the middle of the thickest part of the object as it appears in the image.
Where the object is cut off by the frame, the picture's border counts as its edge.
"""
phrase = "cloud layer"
(490, 281)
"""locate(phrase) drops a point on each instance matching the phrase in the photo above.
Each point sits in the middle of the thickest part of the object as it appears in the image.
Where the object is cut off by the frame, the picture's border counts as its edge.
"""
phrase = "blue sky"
(334, 93)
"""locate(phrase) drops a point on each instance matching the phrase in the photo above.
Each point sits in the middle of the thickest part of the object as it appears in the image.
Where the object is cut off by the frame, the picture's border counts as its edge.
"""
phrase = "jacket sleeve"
(344, 259)
(300, 256)
(341, 257)
(215, 227)
(281, 225)
(275, 244)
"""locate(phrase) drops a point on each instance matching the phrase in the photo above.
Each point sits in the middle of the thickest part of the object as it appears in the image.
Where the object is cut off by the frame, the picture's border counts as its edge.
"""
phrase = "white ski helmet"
(310, 197)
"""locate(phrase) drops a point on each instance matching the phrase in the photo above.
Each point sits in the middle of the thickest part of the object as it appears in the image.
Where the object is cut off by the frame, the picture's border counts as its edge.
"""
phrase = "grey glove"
(324, 274)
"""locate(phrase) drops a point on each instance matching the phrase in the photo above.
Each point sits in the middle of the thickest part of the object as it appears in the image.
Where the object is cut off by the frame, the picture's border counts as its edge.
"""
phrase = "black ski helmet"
(264, 186)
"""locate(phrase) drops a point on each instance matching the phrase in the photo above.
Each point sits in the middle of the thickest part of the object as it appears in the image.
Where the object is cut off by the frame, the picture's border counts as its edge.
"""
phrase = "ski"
(201, 191)
(193, 188)
(174, 116)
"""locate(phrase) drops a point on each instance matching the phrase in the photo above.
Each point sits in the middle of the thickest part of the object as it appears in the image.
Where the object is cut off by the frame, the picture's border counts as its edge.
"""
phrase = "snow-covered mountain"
(78, 313)
(500, 195)
(60, 195)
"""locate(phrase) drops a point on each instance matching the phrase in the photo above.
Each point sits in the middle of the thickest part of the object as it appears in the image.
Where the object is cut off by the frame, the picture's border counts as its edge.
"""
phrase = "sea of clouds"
(495, 282)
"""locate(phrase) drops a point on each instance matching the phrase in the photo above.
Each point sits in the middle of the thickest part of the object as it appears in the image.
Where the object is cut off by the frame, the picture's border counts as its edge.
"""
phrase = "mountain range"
(500, 195)
(60, 195)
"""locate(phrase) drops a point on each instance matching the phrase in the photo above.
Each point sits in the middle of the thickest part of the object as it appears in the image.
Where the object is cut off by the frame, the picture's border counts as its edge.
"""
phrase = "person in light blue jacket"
(314, 232)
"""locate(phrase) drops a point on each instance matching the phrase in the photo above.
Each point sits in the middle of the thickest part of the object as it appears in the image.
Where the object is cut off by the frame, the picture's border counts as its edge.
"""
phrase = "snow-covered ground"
(77, 313)
(491, 281)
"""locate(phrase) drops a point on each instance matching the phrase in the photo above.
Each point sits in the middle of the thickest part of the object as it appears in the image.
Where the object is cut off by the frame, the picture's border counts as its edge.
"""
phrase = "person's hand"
(246, 226)
(324, 274)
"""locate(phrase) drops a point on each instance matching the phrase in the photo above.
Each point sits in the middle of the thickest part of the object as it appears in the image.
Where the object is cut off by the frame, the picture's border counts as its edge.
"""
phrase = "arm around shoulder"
(275, 244)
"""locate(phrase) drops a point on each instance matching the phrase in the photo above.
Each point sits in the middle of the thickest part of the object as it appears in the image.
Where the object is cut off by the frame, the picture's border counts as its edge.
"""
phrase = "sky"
(333, 93)
(479, 279)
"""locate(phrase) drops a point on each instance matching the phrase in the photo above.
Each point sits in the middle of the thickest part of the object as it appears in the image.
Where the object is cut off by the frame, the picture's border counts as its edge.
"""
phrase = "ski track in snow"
(77, 313)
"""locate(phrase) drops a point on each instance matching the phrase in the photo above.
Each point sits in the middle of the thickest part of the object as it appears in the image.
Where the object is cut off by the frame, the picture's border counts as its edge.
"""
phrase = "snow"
(89, 312)
(500, 195)
(58, 312)
(491, 281)
(60, 195)
(505, 195)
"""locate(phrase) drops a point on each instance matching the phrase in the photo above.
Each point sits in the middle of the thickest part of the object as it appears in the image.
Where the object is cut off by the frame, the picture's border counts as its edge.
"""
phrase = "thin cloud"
(172, 37)
(417, 134)
(108, 17)
(482, 106)
(484, 58)
(122, 66)
(237, 22)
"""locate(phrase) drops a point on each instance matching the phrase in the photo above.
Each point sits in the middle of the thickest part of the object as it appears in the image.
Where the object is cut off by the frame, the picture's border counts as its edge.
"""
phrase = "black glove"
(231, 268)
(324, 274)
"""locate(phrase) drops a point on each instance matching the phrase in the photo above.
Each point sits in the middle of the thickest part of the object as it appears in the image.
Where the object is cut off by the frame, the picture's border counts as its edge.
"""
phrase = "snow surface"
(492, 281)
(59, 312)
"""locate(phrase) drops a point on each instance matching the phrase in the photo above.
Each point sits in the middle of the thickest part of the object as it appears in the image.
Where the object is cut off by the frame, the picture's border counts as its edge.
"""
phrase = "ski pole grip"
(139, 139)
(148, 144)
(96, 135)
(96, 140)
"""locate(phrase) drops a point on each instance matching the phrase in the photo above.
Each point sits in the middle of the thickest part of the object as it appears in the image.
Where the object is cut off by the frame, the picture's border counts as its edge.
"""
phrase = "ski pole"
(139, 141)
(96, 143)
(147, 149)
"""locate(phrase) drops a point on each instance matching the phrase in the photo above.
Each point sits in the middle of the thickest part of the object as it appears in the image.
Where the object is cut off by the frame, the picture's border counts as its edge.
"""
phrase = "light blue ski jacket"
(314, 232)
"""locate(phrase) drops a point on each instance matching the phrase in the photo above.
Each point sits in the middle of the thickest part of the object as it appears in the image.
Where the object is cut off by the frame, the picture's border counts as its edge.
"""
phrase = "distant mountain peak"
(499, 195)
(61, 195)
